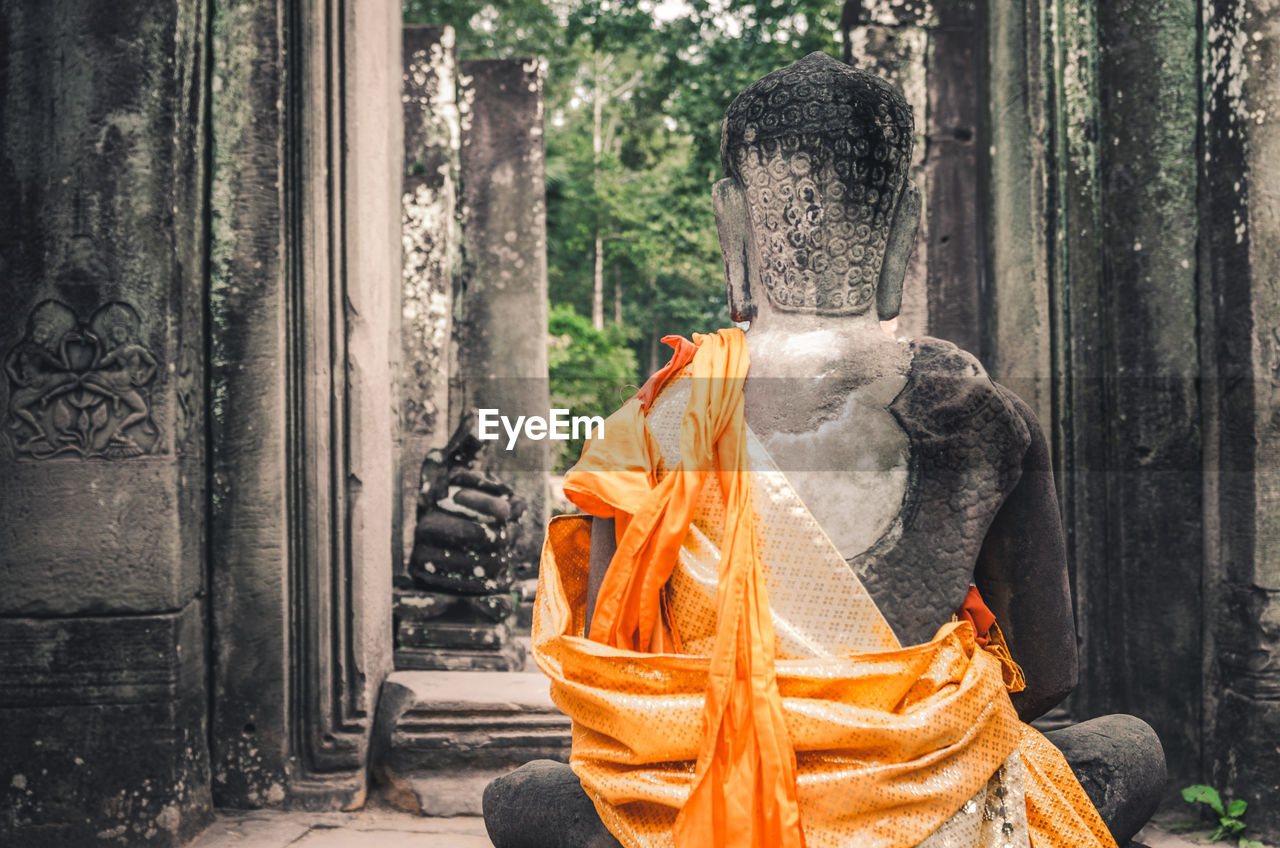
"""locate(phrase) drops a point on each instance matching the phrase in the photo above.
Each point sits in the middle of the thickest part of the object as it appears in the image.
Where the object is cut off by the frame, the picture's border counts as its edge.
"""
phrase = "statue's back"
(904, 460)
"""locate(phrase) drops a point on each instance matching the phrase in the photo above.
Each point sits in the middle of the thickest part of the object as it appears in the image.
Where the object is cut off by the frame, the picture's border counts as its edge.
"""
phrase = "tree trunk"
(617, 297)
(597, 144)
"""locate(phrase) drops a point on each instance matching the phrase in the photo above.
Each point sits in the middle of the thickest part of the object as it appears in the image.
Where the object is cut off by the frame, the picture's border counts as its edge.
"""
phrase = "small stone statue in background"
(456, 608)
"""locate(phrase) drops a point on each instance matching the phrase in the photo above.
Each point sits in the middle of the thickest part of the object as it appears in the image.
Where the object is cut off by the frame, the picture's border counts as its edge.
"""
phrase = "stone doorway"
(304, 252)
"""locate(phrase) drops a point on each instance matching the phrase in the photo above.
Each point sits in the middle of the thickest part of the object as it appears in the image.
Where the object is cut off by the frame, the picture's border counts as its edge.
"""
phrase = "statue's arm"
(11, 366)
(150, 362)
(603, 545)
(1022, 575)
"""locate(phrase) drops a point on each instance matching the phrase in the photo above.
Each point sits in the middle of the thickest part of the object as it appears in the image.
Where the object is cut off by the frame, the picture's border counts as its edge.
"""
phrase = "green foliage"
(1230, 816)
(1201, 794)
(662, 87)
(589, 370)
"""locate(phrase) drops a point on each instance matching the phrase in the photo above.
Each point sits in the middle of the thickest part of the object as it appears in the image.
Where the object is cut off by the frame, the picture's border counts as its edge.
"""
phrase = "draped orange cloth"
(974, 610)
(744, 785)
(875, 748)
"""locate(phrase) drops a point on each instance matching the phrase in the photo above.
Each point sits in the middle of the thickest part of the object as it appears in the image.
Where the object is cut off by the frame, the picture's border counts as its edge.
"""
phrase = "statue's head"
(816, 213)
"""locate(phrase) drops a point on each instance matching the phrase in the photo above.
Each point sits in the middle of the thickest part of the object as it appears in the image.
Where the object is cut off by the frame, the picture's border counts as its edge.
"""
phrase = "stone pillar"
(432, 256)
(1240, 264)
(457, 611)
(1020, 314)
(102, 447)
(958, 303)
(1143, 595)
(502, 335)
(1093, 202)
(1046, 234)
(305, 321)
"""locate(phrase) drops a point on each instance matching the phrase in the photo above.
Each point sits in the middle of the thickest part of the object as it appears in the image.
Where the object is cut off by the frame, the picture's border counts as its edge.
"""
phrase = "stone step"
(439, 737)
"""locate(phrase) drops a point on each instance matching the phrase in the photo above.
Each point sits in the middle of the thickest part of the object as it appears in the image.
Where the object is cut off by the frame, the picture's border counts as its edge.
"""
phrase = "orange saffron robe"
(848, 740)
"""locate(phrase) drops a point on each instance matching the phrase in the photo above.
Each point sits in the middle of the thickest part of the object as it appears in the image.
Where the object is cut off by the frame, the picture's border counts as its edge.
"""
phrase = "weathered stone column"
(1142, 597)
(1019, 314)
(1093, 184)
(1157, 167)
(1045, 235)
(432, 255)
(305, 321)
(958, 305)
(1240, 264)
(102, 449)
(502, 337)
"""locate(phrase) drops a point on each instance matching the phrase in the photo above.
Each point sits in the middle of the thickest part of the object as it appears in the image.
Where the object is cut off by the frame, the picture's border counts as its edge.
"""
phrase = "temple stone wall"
(102, 447)
(1123, 187)
(1132, 182)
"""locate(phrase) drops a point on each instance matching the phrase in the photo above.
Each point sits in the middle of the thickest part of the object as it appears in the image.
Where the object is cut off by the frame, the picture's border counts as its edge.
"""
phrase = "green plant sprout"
(1231, 823)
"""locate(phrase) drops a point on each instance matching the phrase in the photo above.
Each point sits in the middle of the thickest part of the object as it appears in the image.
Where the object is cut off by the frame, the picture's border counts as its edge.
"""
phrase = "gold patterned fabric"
(819, 607)
(892, 746)
(889, 745)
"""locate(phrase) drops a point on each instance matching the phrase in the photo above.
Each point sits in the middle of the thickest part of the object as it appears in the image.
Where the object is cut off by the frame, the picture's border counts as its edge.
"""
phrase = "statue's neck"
(802, 345)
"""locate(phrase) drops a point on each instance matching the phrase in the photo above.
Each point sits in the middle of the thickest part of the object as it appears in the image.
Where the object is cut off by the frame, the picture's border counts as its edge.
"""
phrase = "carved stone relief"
(81, 388)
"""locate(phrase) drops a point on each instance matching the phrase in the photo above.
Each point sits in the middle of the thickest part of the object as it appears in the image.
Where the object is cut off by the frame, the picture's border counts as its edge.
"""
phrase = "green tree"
(633, 106)
(589, 370)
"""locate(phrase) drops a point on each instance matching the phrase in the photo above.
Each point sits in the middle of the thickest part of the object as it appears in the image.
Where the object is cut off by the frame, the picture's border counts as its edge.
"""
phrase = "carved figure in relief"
(80, 388)
(122, 371)
(39, 371)
(783, 619)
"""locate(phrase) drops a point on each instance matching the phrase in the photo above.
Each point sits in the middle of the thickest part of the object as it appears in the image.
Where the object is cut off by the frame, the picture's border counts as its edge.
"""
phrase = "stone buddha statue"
(926, 476)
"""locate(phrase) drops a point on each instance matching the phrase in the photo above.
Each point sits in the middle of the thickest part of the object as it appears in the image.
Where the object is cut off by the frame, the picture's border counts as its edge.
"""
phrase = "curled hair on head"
(821, 150)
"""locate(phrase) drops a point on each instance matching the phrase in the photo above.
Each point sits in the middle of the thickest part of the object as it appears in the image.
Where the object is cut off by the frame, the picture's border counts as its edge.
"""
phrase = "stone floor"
(383, 827)
(1167, 830)
(372, 827)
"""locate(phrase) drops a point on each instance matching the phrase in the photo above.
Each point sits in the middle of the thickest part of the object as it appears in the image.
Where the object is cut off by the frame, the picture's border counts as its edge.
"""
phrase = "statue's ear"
(897, 252)
(731, 222)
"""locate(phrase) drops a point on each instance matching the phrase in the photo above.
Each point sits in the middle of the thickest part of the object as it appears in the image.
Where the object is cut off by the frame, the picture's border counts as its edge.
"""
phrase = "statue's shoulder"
(941, 358)
(949, 390)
